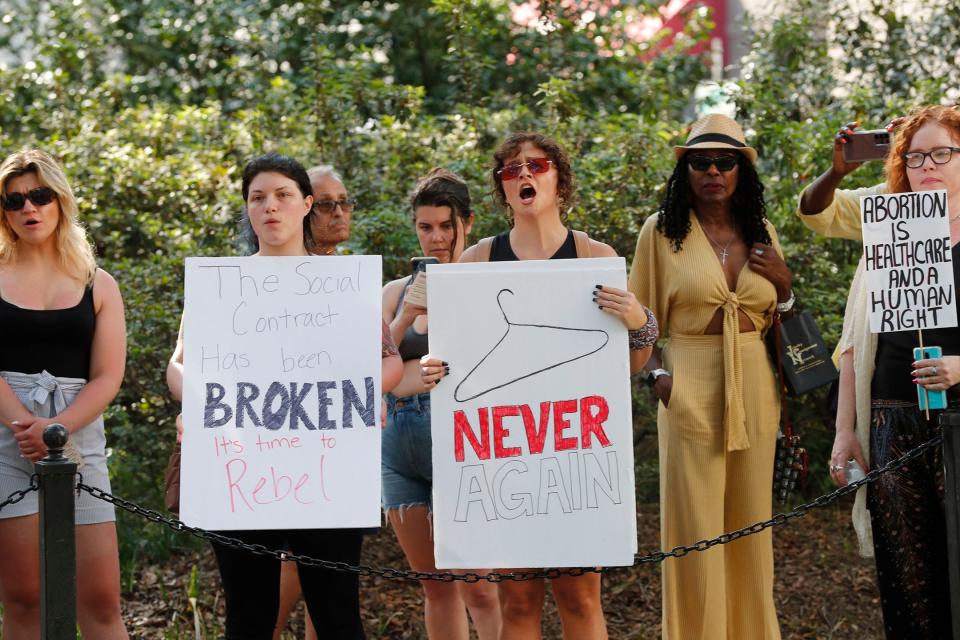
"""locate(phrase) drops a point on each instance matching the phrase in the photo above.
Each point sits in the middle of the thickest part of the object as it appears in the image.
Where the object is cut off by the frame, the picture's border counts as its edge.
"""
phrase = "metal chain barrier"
(19, 495)
(796, 512)
(472, 577)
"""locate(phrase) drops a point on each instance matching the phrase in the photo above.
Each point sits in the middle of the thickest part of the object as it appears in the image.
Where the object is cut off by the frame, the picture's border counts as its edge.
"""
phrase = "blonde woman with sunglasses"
(533, 180)
(63, 362)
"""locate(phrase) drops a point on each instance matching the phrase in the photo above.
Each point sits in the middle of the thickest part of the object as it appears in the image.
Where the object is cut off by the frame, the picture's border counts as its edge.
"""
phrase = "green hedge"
(155, 111)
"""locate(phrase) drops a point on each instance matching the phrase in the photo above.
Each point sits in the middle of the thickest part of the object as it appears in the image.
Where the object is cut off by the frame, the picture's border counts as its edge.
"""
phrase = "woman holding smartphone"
(533, 180)
(442, 218)
(878, 416)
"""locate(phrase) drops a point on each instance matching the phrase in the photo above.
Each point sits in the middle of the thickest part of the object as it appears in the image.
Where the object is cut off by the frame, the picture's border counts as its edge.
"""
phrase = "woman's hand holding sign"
(432, 369)
(937, 374)
(622, 304)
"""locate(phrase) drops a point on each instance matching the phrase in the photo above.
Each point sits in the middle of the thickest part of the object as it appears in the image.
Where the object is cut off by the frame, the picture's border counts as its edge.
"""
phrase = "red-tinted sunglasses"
(512, 171)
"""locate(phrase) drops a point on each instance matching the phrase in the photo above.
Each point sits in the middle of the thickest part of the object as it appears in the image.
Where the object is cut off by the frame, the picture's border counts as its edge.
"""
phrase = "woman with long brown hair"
(442, 219)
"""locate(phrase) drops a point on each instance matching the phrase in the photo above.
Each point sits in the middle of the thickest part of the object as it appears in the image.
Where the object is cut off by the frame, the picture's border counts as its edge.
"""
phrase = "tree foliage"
(155, 107)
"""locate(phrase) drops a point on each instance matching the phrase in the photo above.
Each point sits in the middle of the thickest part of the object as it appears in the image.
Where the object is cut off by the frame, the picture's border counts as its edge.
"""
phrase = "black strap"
(715, 137)
(787, 430)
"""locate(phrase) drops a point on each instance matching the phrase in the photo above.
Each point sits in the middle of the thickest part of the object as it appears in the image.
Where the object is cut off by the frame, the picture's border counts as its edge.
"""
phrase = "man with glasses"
(332, 209)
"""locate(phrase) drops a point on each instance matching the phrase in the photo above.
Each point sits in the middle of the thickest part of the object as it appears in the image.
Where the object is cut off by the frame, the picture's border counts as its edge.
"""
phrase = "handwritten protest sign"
(908, 261)
(281, 398)
(532, 429)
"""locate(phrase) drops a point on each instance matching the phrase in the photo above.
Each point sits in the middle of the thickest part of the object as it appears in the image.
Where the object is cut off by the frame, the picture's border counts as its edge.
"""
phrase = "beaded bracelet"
(646, 335)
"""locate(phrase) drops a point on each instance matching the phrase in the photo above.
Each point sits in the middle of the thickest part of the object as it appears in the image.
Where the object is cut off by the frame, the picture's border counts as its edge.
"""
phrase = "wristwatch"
(784, 307)
(651, 378)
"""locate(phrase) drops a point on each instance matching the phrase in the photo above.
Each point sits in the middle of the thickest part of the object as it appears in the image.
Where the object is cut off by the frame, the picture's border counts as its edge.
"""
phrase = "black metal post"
(950, 421)
(58, 562)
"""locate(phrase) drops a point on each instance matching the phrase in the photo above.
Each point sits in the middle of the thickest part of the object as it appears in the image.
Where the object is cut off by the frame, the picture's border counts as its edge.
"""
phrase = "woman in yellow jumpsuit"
(710, 267)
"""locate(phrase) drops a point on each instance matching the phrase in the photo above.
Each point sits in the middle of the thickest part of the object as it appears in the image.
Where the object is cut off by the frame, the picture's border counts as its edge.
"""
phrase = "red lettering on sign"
(461, 428)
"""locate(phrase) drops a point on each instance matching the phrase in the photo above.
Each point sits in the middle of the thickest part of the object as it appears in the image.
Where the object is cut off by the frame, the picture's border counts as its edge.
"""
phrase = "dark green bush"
(155, 107)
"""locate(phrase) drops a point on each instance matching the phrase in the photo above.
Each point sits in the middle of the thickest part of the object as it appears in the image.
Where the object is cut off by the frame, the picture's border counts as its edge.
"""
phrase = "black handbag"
(790, 459)
(801, 354)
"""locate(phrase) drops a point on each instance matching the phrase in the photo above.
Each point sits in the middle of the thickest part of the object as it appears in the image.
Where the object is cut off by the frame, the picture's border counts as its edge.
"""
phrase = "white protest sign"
(281, 393)
(908, 261)
(532, 430)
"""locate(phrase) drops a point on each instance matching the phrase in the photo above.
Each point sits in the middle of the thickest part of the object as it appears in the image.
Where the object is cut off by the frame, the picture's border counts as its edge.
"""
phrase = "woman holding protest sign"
(62, 362)
(710, 266)
(533, 180)
(329, 226)
(278, 197)
(878, 416)
(442, 218)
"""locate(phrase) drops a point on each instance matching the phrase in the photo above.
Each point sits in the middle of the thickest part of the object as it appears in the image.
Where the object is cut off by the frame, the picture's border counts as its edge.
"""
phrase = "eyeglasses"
(722, 163)
(329, 206)
(17, 201)
(513, 171)
(940, 155)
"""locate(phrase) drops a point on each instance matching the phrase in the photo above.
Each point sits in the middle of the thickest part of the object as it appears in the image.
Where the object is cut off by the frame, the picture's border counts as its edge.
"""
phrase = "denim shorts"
(406, 463)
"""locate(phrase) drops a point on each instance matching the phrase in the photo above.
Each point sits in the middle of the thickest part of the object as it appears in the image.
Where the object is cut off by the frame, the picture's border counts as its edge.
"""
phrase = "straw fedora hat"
(716, 131)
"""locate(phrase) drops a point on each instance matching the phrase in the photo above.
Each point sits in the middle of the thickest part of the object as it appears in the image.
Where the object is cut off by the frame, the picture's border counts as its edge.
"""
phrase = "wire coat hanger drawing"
(526, 337)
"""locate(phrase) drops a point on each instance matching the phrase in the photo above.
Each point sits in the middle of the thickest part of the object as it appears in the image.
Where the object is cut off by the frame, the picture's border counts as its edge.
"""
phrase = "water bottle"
(853, 471)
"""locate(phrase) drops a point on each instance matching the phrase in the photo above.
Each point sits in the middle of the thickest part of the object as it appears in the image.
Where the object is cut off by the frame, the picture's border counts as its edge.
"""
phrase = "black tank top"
(413, 345)
(501, 251)
(57, 340)
(891, 376)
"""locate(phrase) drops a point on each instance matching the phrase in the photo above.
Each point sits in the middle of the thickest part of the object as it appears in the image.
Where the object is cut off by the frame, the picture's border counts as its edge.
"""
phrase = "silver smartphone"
(867, 145)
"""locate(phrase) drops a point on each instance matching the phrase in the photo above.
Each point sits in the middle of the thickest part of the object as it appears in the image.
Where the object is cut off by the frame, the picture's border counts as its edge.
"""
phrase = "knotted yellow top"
(685, 288)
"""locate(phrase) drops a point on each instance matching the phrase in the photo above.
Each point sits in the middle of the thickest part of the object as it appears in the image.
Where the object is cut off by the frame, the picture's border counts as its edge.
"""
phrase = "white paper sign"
(909, 264)
(281, 396)
(532, 429)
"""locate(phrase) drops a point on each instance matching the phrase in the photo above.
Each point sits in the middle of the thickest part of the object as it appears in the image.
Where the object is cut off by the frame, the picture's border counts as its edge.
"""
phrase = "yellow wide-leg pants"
(705, 490)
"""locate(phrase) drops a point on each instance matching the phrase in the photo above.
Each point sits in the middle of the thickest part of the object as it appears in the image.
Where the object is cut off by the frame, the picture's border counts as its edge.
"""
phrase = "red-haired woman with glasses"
(878, 418)
(62, 362)
(533, 180)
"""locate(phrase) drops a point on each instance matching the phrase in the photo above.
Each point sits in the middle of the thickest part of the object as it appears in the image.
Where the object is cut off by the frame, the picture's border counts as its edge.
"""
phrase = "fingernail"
(598, 286)
(446, 370)
(446, 364)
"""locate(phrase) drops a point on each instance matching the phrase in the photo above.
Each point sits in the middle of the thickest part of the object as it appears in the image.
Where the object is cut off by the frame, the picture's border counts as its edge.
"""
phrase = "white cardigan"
(857, 336)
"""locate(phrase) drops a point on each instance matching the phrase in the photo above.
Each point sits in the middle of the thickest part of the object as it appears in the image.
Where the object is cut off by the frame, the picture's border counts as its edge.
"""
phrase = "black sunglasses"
(702, 163)
(39, 196)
